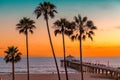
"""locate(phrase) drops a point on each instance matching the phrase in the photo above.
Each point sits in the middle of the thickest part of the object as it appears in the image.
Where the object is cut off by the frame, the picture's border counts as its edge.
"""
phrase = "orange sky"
(105, 16)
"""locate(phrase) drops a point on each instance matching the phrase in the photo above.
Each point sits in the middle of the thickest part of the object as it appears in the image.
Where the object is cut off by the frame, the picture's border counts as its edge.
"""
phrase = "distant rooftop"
(70, 56)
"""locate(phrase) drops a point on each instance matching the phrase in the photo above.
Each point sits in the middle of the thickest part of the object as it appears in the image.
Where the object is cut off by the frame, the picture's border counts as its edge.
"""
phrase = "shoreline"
(72, 76)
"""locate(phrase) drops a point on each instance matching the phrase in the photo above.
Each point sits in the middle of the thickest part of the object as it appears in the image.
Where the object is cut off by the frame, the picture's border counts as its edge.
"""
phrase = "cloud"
(118, 27)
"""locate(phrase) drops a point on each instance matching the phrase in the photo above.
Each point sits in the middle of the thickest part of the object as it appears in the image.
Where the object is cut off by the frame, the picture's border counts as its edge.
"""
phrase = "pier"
(93, 68)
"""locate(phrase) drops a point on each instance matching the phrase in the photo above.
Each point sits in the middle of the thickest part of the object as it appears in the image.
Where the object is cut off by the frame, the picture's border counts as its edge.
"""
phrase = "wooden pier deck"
(94, 68)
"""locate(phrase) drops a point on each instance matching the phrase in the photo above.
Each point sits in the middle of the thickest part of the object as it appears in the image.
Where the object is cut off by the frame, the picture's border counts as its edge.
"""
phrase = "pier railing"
(93, 68)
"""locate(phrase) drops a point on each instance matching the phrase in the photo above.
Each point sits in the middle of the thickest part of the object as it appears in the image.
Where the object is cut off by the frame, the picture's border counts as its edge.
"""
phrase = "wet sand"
(72, 76)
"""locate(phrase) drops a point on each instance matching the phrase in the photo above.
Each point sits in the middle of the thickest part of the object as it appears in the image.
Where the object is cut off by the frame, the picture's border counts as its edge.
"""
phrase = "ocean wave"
(46, 65)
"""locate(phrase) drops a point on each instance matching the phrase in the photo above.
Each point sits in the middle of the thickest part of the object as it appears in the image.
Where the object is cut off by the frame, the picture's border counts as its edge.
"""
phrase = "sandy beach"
(72, 76)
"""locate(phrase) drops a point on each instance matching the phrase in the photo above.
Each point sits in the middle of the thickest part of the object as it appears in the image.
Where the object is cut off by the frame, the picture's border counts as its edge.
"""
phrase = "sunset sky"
(104, 13)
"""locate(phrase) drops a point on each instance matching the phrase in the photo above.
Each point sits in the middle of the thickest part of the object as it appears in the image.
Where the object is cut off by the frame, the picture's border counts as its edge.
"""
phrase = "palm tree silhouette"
(48, 10)
(84, 29)
(13, 56)
(24, 26)
(62, 26)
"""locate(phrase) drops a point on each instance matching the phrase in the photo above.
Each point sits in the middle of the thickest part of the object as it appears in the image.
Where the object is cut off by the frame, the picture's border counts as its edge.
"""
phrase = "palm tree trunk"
(53, 49)
(13, 71)
(27, 56)
(80, 44)
(65, 63)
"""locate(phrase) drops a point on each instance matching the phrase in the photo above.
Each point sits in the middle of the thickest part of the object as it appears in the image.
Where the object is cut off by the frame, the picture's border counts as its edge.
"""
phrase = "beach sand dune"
(72, 76)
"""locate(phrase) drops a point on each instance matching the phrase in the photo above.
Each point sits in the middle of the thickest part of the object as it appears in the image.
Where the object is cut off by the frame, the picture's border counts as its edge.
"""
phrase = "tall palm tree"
(62, 26)
(84, 28)
(48, 9)
(24, 26)
(13, 56)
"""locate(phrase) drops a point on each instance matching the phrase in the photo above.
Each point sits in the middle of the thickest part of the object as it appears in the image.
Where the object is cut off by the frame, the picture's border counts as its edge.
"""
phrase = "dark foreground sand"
(72, 76)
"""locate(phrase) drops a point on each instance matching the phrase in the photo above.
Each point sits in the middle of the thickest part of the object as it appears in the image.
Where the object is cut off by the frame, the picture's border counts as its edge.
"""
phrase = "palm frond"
(52, 6)
(84, 19)
(46, 9)
(91, 32)
(72, 26)
(79, 17)
(83, 37)
(19, 25)
(32, 27)
(40, 5)
(12, 54)
(68, 33)
(57, 31)
(38, 13)
(17, 57)
(46, 3)
(83, 27)
(90, 23)
(6, 52)
(6, 58)
(21, 31)
(54, 11)
(31, 31)
(51, 14)
(57, 23)
(93, 27)
(64, 26)
(25, 24)
(76, 19)
(73, 38)
(89, 36)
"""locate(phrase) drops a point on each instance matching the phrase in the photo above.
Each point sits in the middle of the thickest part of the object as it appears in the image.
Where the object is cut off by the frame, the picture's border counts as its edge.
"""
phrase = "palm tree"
(48, 10)
(13, 56)
(62, 26)
(84, 28)
(24, 26)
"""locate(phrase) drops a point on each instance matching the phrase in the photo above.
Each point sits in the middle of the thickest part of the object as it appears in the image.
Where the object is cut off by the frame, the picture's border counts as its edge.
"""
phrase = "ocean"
(46, 65)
